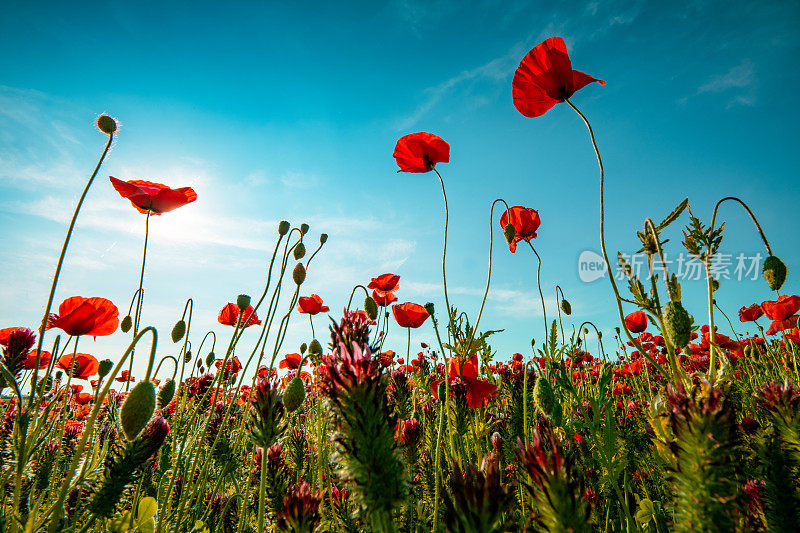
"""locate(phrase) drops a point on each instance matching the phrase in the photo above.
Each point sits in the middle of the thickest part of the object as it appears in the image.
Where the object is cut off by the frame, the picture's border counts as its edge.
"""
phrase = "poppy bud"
(544, 396)
(294, 394)
(299, 251)
(533, 343)
(599, 335)
(137, 408)
(104, 367)
(283, 227)
(178, 330)
(187, 357)
(323, 238)
(617, 330)
(371, 307)
(242, 302)
(429, 308)
(166, 393)
(106, 124)
(299, 274)
(315, 347)
(303, 348)
(126, 324)
(441, 390)
(566, 307)
(304, 228)
(774, 272)
(678, 324)
(209, 359)
(509, 232)
(714, 285)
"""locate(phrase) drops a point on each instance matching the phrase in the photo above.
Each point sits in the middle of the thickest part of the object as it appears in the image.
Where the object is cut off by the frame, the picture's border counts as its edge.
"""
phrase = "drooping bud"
(533, 343)
(104, 367)
(210, 359)
(299, 274)
(294, 394)
(178, 330)
(315, 347)
(544, 396)
(509, 232)
(242, 302)
(678, 324)
(714, 285)
(126, 324)
(429, 308)
(137, 409)
(187, 357)
(304, 228)
(323, 238)
(106, 124)
(566, 308)
(371, 307)
(303, 348)
(299, 251)
(283, 227)
(166, 393)
(774, 272)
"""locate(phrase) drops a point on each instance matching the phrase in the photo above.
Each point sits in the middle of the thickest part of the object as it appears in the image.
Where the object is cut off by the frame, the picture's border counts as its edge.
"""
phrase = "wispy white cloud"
(737, 84)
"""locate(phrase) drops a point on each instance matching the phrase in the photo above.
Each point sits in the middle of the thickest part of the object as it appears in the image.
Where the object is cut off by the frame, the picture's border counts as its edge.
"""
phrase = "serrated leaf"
(673, 216)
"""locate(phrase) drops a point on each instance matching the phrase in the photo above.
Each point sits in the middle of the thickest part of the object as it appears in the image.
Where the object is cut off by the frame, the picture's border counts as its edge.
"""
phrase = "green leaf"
(646, 512)
(148, 507)
(673, 216)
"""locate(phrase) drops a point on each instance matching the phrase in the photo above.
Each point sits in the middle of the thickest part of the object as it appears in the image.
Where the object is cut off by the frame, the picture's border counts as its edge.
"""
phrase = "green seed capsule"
(294, 394)
(178, 330)
(137, 409)
(299, 274)
(126, 324)
(774, 272)
(166, 393)
(299, 251)
(371, 308)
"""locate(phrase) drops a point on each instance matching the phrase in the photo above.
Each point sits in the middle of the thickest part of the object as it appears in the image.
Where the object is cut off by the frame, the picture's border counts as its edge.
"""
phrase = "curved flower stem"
(59, 264)
(558, 308)
(140, 300)
(353, 292)
(541, 294)
(442, 414)
(599, 337)
(444, 256)
(489, 274)
(752, 217)
(603, 239)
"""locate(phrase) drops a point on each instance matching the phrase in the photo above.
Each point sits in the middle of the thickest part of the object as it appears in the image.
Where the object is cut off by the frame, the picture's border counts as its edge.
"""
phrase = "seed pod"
(106, 124)
(509, 232)
(104, 367)
(178, 330)
(304, 228)
(303, 348)
(323, 238)
(299, 274)
(210, 359)
(774, 272)
(678, 324)
(187, 357)
(544, 396)
(137, 409)
(714, 285)
(294, 394)
(566, 308)
(283, 227)
(429, 308)
(371, 308)
(242, 302)
(315, 347)
(166, 393)
(299, 251)
(126, 324)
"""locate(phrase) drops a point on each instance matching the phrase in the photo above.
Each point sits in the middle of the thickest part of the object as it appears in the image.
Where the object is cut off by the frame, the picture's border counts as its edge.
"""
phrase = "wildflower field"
(688, 419)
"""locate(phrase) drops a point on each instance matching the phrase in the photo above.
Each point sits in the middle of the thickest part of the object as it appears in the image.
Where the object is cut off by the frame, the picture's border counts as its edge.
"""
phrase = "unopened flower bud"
(299, 274)
(774, 272)
(304, 228)
(126, 324)
(243, 302)
(104, 367)
(566, 308)
(283, 227)
(178, 330)
(678, 324)
(714, 285)
(509, 232)
(106, 124)
(371, 307)
(294, 394)
(137, 408)
(210, 359)
(315, 347)
(533, 343)
(323, 238)
(429, 308)
(166, 393)
(299, 251)
(303, 348)
(544, 396)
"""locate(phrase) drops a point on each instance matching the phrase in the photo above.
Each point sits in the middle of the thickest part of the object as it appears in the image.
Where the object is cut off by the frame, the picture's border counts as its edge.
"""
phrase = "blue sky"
(274, 112)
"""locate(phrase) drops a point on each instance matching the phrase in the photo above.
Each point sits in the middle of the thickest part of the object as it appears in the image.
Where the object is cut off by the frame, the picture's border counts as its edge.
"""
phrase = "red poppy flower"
(419, 152)
(383, 299)
(30, 360)
(525, 221)
(83, 365)
(125, 376)
(5, 333)
(82, 398)
(545, 78)
(229, 316)
(776, 326)
(156, 198)
(479, 392)
(783, 308)
(232, 366)
(311, 305)
(636, 322)
(291, 361)
(409, 315)
(385, 283)
(750, 314)
(85, 316)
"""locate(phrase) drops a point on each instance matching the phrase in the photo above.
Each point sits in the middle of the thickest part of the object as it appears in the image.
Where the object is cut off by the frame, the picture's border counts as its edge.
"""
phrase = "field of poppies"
(673, 426)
